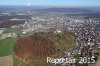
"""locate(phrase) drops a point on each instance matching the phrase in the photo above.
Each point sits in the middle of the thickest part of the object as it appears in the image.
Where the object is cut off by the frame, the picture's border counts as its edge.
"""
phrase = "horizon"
(52, 3)
(49, 6)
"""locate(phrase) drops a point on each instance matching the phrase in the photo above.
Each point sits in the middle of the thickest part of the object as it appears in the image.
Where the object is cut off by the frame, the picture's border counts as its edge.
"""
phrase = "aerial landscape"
(49, 33)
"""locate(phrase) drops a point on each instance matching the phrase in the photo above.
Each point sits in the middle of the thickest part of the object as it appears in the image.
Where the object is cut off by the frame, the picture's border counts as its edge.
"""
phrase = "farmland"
(6, 46)
(6, 61)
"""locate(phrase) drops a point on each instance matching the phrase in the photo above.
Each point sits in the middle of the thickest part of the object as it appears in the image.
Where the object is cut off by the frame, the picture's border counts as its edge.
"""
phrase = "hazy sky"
(52, 2)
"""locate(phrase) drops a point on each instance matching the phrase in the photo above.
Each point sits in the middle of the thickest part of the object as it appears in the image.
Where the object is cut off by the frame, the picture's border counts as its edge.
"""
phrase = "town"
(85, 27)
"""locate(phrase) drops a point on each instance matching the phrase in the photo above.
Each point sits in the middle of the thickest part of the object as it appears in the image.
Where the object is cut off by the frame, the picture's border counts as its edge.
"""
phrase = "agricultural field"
(13, 30)
(6, 46)
(3, 36)
(6, 61)
(42, 62)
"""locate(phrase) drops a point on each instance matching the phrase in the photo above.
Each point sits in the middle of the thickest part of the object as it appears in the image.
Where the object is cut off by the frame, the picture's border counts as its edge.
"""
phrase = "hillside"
(43, 44)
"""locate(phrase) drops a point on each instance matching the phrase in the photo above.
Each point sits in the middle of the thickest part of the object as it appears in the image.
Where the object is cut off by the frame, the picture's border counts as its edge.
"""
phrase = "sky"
(52, 2)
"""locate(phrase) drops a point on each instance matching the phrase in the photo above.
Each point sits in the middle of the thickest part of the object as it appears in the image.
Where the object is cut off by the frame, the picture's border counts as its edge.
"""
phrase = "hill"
(40, 45)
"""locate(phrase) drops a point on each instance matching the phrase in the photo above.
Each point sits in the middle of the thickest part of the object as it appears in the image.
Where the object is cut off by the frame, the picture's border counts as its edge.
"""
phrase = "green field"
(42, 62)
(98, 48)
(85, 64)
(6, 46)
(15, 30)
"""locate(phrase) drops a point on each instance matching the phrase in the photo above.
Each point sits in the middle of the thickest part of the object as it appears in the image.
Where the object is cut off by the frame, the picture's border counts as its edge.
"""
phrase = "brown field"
(6, 61)
(4, 36)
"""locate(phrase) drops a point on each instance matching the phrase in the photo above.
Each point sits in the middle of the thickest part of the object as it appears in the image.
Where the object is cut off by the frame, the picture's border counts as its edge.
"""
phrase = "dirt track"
(6, 61)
